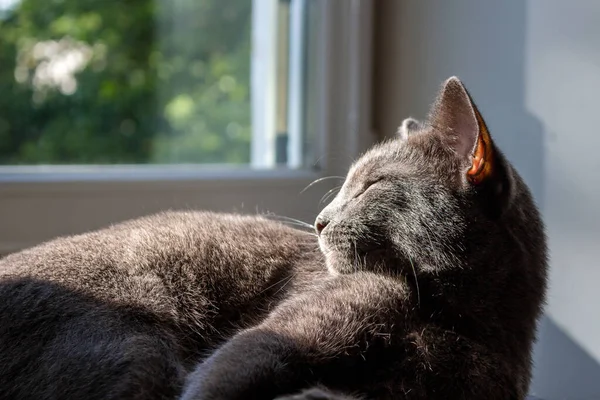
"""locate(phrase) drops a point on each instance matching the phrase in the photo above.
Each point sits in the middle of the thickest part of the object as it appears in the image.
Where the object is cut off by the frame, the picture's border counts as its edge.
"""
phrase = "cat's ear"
(409, 126)
(455, 114)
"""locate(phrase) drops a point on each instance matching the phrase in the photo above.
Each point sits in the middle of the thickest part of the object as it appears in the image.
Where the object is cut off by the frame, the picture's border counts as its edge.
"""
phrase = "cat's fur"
(441, 261)
(124, 312)
(437, 268)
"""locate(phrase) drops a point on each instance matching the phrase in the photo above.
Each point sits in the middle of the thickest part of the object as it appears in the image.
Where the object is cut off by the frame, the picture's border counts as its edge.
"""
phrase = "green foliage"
(125, 81)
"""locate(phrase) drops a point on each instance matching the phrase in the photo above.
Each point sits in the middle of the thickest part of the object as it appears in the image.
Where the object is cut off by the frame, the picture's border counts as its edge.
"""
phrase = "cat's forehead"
(395, 151)
(418, 155)
(376, 160)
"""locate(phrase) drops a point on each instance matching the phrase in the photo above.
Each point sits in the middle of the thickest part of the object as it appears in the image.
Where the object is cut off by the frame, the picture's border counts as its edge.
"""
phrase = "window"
(113, 109)
(153, 82)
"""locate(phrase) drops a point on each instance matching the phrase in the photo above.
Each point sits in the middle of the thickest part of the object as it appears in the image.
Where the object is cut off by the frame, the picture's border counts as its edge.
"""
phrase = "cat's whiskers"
(357, 264)
(416, 282)
(291, 221)
(320, 180)
(292, 276)
(427, 229)
(329, 194)
(287, 280)
(302, 226)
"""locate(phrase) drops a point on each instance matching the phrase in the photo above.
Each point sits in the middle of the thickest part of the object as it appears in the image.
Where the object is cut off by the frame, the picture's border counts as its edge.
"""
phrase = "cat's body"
(436, 265)
(125, 311)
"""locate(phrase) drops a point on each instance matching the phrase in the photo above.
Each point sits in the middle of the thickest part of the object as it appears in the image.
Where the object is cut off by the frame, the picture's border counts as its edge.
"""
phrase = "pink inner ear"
(478, 159)
(483, 163)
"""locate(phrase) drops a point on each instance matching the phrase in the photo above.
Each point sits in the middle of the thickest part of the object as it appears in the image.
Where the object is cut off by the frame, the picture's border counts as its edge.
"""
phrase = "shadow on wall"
(563, 370)
(421, 43)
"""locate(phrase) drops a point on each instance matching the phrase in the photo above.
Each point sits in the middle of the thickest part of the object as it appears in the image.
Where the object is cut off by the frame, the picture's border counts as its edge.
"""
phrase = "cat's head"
(436, 197)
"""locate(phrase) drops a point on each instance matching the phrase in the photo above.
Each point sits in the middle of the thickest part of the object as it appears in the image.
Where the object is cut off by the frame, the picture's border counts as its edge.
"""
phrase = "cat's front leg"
(344, 334)
(252, 365)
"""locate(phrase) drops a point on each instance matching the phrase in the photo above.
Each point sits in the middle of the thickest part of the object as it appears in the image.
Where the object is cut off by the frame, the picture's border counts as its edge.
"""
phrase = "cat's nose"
(320, 224)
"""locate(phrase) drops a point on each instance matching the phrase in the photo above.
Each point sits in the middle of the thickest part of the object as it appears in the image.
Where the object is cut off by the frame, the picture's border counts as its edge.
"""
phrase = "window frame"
(39, 203)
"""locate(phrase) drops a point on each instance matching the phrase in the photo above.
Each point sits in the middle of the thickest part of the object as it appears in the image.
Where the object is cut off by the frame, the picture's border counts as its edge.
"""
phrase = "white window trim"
(264, 82)
(39, 203)
(296, 84)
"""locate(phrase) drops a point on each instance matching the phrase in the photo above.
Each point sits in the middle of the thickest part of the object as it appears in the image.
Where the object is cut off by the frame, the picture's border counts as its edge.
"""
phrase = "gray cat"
(440, 258)
(428, 285)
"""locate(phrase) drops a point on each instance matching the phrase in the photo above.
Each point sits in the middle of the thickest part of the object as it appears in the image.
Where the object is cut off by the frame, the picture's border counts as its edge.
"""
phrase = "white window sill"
(154, 172)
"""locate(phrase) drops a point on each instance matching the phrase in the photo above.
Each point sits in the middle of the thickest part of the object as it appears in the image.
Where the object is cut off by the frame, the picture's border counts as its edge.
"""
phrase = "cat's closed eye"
(367, 185)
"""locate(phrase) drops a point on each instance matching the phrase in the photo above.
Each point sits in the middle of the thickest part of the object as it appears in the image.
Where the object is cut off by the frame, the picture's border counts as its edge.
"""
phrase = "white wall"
(563, 90)
(533, 67)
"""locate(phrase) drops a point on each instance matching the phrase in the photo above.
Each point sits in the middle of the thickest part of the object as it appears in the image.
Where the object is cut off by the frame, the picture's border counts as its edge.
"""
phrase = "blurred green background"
(130, 81)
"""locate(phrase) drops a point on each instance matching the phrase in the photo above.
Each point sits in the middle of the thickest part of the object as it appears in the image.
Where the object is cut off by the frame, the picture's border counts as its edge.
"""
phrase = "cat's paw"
(317, 394)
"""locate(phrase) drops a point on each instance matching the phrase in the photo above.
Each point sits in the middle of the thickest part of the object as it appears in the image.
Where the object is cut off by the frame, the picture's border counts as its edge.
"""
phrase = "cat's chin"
(341, 263)
(337, 265)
